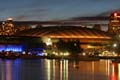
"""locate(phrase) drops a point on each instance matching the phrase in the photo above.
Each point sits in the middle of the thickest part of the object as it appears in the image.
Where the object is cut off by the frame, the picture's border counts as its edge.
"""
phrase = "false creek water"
(45, 69)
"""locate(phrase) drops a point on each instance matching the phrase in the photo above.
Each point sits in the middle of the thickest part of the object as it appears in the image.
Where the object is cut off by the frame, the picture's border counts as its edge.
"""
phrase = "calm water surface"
(44, 69)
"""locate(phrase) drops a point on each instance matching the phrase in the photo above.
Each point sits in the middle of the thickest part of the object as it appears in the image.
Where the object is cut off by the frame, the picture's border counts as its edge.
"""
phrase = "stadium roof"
(65, 32)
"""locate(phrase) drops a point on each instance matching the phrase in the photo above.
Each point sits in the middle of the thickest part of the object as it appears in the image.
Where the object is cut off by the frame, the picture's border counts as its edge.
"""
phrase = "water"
(44, 69)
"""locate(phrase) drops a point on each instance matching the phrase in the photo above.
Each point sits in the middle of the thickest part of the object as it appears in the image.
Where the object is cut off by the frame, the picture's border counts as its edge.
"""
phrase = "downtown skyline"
(44, 10)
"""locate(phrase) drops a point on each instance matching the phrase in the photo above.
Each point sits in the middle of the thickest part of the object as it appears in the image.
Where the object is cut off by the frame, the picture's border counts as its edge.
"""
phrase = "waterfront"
(45, 69)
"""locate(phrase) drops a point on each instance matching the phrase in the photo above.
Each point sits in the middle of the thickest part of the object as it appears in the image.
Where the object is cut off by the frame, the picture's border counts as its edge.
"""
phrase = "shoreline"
(80, 58)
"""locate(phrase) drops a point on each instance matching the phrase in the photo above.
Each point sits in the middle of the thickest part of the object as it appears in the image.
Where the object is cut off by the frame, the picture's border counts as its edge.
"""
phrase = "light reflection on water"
(45, 69)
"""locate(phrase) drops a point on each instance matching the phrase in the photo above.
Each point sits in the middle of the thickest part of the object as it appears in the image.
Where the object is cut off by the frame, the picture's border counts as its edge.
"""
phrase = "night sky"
(43, 10)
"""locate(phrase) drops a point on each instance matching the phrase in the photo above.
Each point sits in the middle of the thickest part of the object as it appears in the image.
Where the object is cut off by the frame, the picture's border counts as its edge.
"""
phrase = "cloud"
(28, 17)
(30, 14)
(108, 13)
(101, 16)
(21, 17)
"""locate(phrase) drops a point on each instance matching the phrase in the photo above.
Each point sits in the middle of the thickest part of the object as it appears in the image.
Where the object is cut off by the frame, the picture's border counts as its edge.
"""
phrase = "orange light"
(115, 14)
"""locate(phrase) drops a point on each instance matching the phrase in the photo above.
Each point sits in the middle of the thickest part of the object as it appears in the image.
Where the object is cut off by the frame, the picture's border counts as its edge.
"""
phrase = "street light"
(48, 41)
(114, 45)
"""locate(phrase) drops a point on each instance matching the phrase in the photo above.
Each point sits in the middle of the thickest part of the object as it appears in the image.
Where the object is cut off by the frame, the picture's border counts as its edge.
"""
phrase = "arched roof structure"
(65, 32)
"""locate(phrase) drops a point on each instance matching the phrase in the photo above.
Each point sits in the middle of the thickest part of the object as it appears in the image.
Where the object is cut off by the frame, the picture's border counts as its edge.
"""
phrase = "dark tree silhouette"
(71, 46)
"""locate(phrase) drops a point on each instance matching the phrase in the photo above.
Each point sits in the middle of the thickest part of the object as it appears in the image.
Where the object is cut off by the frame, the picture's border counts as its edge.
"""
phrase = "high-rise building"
(8, 27)
(114, 23)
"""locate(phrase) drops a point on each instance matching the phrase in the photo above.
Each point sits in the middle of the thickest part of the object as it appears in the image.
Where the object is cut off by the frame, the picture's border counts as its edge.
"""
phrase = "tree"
(62, 45)
(72, 47)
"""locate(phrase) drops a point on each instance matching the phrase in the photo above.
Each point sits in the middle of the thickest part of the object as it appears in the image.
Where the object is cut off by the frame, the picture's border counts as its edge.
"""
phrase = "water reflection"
(118, 71)
(9, 70)
(113, 70)
(78, 70)
(2, 70)
(45, 69)
(57, 70)
(64, 70)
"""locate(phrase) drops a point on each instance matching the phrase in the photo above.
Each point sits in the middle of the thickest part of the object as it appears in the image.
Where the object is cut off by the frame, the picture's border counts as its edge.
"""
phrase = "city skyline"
(44, 10)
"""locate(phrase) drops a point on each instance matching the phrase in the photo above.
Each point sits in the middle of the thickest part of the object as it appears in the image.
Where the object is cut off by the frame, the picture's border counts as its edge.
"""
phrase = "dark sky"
(42, 10)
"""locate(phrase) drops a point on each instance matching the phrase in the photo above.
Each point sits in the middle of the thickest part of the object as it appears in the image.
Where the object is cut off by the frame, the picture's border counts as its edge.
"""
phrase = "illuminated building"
(114, 23)
(8, 27)
(8, 43)
(87, 36)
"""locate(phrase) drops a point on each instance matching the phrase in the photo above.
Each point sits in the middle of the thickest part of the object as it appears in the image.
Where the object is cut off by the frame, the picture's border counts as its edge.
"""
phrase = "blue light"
(39, 51)
(40, 54)
(15, 48)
